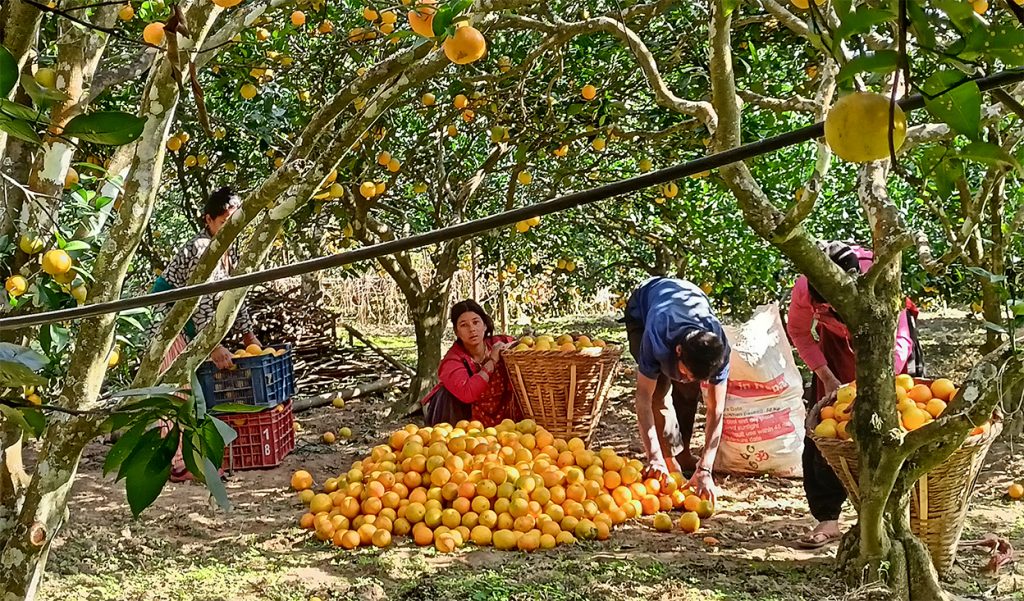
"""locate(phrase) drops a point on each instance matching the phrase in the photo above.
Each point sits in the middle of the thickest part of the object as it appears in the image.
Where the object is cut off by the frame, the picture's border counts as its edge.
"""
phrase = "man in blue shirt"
(678, 343)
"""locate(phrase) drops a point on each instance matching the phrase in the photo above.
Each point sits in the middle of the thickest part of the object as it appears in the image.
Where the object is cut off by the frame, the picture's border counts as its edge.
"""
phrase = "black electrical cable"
(476, 226)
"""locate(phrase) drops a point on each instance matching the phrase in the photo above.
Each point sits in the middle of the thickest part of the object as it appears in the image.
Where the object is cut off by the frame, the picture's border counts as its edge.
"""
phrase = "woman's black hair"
(469, 305)
(843, 255)
(219, 202)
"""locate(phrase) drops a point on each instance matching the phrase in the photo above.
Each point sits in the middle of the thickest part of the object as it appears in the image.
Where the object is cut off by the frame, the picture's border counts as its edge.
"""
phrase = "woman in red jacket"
(471, 372)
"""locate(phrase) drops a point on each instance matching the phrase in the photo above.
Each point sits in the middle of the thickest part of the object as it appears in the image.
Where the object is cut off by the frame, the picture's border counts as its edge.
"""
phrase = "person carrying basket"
(678, 344)
(823, 342)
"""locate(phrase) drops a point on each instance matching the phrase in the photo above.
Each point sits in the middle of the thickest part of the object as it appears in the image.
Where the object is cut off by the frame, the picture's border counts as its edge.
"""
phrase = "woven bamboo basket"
(563, 391)
(939, 499)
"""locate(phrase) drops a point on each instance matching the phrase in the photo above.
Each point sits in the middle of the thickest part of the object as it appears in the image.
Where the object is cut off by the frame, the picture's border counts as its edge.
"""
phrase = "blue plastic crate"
(263, 381)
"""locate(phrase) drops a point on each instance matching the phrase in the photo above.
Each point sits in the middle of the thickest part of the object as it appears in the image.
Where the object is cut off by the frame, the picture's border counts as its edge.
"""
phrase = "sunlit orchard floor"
(183, 549)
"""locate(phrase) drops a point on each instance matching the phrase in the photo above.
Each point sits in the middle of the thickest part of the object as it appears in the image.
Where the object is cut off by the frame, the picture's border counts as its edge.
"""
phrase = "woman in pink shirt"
(473, 383)
(823, 342)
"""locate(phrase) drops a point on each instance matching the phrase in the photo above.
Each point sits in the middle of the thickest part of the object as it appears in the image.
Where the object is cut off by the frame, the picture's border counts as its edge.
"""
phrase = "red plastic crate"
(264, 438)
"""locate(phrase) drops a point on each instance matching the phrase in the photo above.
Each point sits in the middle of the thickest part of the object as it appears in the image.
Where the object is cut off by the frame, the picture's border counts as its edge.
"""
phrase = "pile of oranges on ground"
(918, 404)
(513, 486)
(565, 342)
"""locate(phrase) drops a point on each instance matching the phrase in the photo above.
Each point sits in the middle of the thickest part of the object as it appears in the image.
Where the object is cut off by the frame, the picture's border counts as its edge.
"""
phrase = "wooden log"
(401, 366)
(321, 400)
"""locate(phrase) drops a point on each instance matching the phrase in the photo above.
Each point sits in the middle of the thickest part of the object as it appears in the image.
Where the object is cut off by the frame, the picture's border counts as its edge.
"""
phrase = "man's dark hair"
(219, 202)
(470, 305)
(843, 255)
(702, 352)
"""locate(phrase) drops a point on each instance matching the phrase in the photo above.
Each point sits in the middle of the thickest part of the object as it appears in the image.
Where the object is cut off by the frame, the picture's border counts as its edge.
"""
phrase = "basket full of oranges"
(562, 383)
(940, 498)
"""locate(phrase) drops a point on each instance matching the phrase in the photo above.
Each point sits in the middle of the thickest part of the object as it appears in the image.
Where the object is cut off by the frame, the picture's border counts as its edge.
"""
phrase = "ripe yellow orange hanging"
(466, 46)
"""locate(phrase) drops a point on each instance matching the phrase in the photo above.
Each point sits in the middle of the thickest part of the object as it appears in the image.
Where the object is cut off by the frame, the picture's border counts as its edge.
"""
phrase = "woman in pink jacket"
(823, 342)
(473, 383)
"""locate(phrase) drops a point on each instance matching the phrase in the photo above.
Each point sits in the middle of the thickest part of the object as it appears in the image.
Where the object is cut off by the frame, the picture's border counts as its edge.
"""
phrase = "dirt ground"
(183, 548)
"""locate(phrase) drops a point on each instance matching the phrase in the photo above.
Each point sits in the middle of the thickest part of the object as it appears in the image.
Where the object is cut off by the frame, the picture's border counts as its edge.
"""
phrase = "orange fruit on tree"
(466, 46)
(421, 17)
(154, 34)
(588, 92)
(56, 262)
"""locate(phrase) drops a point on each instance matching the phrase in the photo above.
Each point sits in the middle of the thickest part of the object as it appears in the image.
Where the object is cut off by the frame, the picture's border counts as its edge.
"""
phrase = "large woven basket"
(563, 391)
(940, 498)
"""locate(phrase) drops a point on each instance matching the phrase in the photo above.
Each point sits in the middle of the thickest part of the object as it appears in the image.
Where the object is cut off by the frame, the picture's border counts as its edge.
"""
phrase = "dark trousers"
(675, 422)
(824, 491)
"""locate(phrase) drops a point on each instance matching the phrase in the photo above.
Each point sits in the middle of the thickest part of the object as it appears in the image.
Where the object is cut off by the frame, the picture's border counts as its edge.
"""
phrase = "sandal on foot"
(180, 475)
(816, 540)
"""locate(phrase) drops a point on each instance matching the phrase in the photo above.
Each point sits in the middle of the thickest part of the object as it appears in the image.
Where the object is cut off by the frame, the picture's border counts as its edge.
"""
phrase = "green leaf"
(8, 72)
(124, 446)
(729, 6)
(957, 105)
(197, 395)
(131, 321)
(842, 7)
(18, 111)
(19, 129)
(920, 25)
(1000, 41)
(41, 96)
(882, 61)
(145, 480)
(983, 152)
(227, 433)
(442, 20)
(994, 327)
(166, 390)
(401, 34)
(190, 454)
(105, 127)
(214, 484)
(14, 414)
(14, 374)
(461, 6)
(54, 338)
(988, 275)
(211, 441)
(959, 12)
(235, 408)
(24, 355)
(141, 452)
(77, 245)
(860, 22)
(36, 420)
